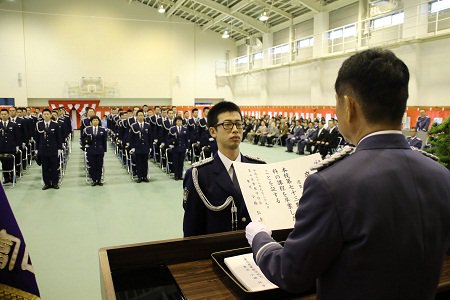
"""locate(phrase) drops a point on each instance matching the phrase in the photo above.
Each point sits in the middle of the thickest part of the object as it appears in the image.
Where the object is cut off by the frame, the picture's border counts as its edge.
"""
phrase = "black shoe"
(100, 183)
(139, 180)
(56, 187)
(45, 187)
(288, 150)
(145, 180)
(94, 183)
(301, 153)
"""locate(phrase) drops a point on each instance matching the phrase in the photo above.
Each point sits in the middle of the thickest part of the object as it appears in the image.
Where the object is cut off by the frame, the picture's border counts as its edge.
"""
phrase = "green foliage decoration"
(440, 142)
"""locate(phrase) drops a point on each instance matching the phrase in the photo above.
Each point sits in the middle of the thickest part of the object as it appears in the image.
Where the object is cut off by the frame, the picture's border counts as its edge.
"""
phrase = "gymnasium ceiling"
(241, 17)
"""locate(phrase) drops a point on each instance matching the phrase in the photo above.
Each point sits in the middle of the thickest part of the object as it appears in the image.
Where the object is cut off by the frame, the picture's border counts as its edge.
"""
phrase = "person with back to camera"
(212, 200)
(368, 226)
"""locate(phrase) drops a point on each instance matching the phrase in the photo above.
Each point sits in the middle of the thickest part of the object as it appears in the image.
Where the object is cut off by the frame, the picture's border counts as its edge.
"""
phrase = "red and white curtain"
(75, 108)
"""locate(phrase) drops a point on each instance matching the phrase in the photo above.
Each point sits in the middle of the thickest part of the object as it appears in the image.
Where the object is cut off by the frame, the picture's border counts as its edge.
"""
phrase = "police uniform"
(202, 214)
(423, 123)
(95, 151)
(49, 141)
(140, 139)
(9, 141)
(178, 138)
(367, 227)
(414, 141)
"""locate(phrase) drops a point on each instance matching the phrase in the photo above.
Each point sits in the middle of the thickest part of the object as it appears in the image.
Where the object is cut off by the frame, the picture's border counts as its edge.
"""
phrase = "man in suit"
(178, 142)
(413, 140)
(321, 139)
(366, 227)
(311, 135)
(211, 183)
(96, 137)
(140, 138)
(9, 143)
(299, 134)
(49, 146)
(423, 122)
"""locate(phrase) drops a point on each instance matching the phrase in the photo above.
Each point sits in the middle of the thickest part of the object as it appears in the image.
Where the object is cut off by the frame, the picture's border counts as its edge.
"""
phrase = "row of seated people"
(309, 136)
(159, 135)
(20, 139)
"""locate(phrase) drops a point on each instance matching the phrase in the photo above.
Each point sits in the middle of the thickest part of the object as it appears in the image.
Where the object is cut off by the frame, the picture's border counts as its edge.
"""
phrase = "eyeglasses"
(229, 125)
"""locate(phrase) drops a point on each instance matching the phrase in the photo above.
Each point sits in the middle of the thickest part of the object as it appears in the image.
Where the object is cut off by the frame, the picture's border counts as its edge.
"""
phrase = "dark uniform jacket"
(49, 141)
(95, 144)
(178, 139)
(140, 139)
(423, 123)
(9, 137)
(216, 185)
(414, 141)
(368, 227)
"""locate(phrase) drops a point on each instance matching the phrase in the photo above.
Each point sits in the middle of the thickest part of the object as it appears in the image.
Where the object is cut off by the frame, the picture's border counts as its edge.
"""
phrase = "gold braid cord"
(10, 293)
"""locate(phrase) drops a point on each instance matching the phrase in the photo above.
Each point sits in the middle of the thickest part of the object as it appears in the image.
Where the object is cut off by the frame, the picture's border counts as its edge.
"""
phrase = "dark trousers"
(95, 162)
(7, 164)
(50, 164)
(141, 165)
(178, 163)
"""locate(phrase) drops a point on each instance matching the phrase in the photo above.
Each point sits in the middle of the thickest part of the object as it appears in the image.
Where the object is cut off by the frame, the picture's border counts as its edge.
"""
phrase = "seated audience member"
(274, 133)
(414, 140)
(251, 135)
(322, 137)
(261, 132)
(298, 135)
(311, 135)
(247, 128)
(284, 131)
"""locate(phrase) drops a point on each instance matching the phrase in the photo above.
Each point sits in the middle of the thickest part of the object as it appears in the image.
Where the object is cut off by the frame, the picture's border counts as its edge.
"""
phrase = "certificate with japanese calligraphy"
(272, 191)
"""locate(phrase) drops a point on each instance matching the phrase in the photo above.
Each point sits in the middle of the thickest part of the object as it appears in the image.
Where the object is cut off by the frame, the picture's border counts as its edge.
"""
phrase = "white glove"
(253, 228)
(211, 139)
(60, 152)
(172, 146)
(198, 143)
(23, 145)
(155, 140)
(132, 150)
(162, 145)
(36, 152)
(17, 148)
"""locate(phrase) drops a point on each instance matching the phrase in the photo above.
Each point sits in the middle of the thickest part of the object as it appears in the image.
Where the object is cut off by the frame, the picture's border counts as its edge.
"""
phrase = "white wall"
(313, 83)
(131, 46)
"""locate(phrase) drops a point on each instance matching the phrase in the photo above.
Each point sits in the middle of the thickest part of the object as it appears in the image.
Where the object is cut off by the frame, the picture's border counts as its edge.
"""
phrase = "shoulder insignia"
(433, 157)
(203, 162)
(346, 151)
(254, 158)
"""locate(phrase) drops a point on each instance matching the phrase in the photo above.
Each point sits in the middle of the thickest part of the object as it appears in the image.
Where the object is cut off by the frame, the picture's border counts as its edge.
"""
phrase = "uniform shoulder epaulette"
(53, 121)
(346, 151)
(433, 157)
(203, 162)
(254, 158)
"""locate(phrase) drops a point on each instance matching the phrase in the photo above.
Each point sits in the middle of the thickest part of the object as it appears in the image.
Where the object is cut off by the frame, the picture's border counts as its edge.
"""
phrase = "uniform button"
(244, 219)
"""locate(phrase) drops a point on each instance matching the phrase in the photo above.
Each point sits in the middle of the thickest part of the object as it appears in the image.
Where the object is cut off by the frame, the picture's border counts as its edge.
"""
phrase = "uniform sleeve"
(310, 248)
(194, 210)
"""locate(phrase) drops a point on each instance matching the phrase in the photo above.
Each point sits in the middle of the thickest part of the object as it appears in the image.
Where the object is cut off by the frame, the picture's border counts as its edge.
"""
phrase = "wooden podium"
(189, 260)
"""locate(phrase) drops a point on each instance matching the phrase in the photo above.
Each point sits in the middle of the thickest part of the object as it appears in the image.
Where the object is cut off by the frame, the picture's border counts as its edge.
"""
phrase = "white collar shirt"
(228, 163)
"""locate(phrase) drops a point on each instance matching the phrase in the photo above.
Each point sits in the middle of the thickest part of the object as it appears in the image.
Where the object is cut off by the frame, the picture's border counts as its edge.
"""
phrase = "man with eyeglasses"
(212, 200)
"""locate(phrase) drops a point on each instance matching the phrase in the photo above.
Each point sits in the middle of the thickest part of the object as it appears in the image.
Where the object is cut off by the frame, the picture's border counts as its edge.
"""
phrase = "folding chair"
(13, 170)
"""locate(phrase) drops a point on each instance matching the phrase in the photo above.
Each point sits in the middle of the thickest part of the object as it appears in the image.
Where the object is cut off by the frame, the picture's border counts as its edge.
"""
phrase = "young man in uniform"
(95, 142)
(212, 183)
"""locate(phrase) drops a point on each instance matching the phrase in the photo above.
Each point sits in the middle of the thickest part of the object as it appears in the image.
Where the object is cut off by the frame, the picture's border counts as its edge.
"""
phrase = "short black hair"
(221, 107)
(140, 111)
(194, 110)
(94, 117)
(4, 109)
(178, 118)
(46, 109)
(379, 80)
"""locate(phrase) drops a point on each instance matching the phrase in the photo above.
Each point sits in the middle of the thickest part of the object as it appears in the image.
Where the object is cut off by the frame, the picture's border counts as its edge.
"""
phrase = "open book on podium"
(271, 193)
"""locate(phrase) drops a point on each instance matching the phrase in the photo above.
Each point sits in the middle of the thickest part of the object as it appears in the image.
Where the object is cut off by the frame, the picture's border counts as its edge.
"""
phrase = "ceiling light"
(161, 9)
(225, 34)
(263, 17)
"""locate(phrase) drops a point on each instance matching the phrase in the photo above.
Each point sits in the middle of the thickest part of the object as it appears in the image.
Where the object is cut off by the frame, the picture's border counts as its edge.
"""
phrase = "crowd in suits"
(309, 136)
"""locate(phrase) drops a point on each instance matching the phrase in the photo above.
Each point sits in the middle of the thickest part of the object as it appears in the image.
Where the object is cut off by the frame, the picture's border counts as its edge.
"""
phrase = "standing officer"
(95, 149)
(140, 138)
(49, 146)
(178, 142)
(212, 200)
(423, 122)
(85, 122)
(9, 143)
(367, 227)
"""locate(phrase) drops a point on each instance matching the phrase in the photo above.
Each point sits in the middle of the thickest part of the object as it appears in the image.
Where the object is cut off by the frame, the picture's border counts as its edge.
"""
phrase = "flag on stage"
(17, 280)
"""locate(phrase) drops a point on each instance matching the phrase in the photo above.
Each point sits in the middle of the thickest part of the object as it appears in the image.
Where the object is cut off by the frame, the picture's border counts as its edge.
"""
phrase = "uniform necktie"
(234, 179)
(46, 126)
(95, 130)
(179, 129)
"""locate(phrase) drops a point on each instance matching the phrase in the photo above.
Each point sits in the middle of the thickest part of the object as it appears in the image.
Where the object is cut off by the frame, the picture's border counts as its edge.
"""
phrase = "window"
(346, 31)
(257, 55)
(280, 49)
(394, 19)
(439, 5)
(308, 42)
(242, 60)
